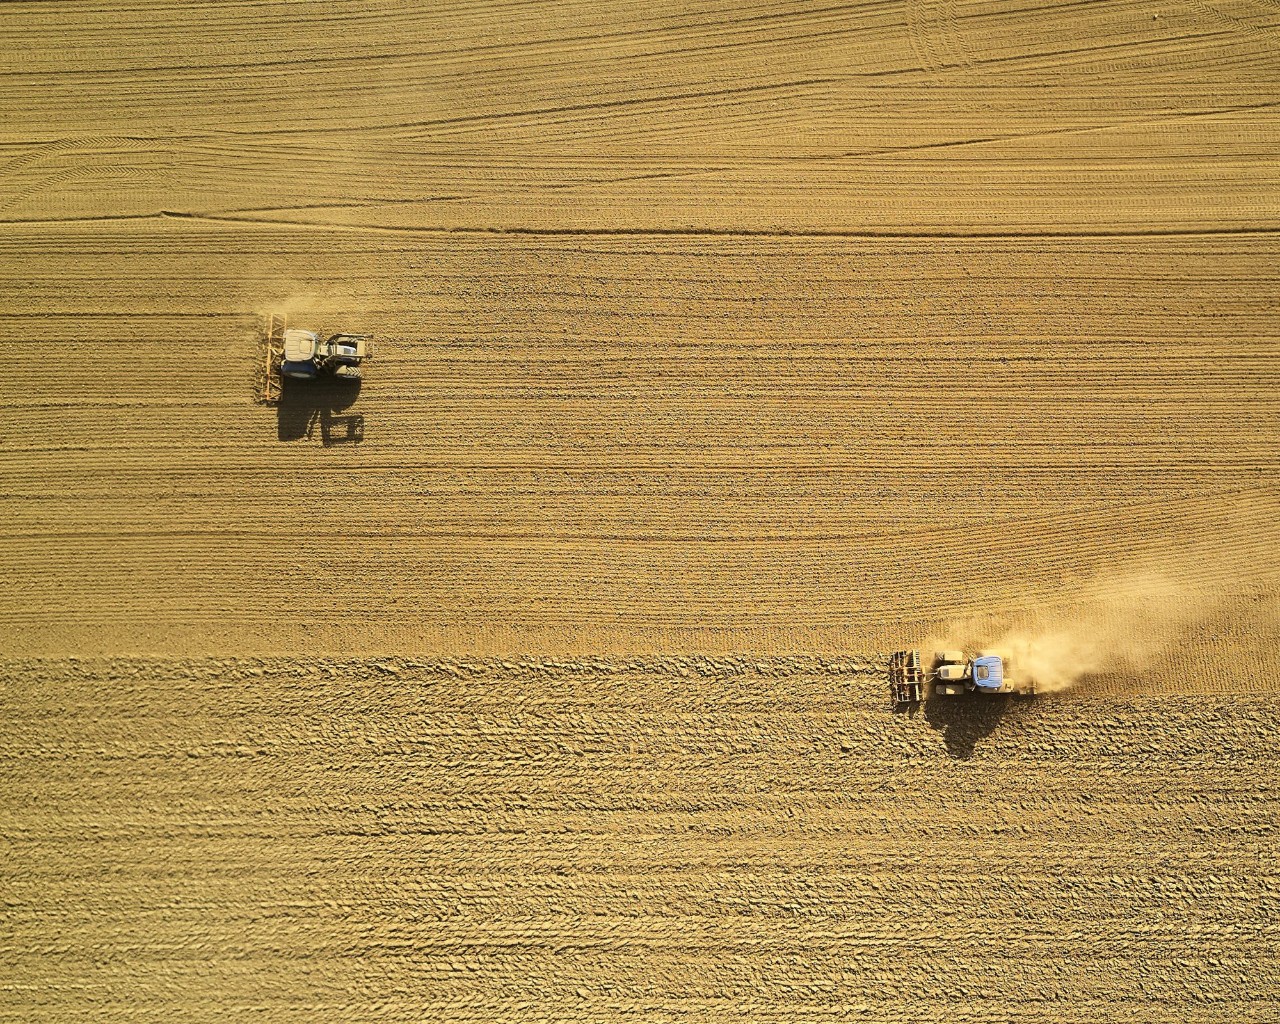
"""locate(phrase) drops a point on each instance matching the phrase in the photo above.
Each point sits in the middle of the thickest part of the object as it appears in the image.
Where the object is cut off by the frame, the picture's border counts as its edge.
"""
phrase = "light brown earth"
(669, 839)
(721, 349)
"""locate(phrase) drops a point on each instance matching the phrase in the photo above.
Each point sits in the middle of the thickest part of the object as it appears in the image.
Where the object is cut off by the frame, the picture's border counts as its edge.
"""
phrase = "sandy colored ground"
(774, 327)
(792, 330)
(663, 840)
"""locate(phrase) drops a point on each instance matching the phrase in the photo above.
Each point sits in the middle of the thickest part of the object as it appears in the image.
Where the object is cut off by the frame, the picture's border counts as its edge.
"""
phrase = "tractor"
(302, 355)
(952, 673)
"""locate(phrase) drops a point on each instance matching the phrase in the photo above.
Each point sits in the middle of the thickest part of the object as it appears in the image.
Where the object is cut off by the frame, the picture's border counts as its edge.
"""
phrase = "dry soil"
(721, 348)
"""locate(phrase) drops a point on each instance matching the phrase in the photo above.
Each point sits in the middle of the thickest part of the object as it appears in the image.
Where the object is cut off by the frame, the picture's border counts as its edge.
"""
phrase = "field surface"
(721, 349)
(662, 840)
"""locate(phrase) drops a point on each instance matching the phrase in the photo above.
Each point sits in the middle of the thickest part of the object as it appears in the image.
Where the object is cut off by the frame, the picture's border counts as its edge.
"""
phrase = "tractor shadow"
(306, 405)
(968, 719)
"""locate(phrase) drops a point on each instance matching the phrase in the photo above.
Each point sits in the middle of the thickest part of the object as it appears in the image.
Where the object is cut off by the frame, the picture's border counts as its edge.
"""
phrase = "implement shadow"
(967, 719)
(305, 404)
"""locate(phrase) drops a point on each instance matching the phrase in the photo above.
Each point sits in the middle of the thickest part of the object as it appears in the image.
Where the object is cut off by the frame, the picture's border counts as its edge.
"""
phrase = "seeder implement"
(272, 385)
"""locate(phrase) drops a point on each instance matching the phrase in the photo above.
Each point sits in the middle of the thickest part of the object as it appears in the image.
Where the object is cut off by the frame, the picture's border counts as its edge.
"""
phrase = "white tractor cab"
(306, 357)
(955, 673)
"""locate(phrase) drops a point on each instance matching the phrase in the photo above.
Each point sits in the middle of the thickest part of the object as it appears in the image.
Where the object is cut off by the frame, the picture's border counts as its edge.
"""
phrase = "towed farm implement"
(952, 673)
(301, 355)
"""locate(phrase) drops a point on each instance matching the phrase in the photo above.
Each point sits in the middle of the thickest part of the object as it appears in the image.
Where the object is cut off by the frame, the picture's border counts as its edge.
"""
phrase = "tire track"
(1215, 13)
(936, 37)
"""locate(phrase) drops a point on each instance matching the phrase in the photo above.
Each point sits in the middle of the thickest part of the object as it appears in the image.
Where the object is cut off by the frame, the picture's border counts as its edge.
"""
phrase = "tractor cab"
(306, 357)
(955, 672)
(988, 672)
(300, 348)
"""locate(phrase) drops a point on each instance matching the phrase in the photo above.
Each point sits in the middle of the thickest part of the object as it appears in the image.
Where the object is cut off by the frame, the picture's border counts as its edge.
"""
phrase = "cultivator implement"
(272, 386)
(906, 678)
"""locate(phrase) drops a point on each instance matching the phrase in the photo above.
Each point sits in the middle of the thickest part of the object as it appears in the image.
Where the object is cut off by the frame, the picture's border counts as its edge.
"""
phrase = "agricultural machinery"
(302, 355)
(952, 673)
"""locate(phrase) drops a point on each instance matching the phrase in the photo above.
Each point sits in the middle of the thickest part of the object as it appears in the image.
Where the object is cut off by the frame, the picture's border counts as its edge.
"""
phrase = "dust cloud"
(298, 303)
(295, 300)
(1122, 623)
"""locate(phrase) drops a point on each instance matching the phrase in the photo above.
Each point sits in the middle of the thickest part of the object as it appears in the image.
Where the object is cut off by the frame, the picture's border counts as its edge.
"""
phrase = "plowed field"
(721, 348)
(662, 840)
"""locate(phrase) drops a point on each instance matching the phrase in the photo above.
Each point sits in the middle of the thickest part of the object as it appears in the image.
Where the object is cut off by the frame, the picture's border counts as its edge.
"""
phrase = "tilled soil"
(637, 445)
(701, 329)
(698, 327)
(666, 839)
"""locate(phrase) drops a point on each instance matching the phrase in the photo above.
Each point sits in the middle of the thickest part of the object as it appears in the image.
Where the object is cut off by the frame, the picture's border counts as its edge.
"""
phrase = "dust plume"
(1114, 624)
(300, 301)
(298, 304)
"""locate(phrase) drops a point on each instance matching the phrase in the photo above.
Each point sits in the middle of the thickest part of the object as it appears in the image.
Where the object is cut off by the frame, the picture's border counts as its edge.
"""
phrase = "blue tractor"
(303, 355)
(306, 357)
(953, 673)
